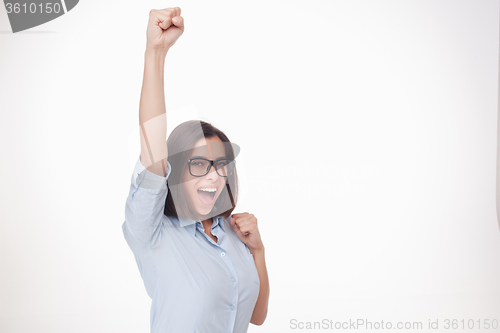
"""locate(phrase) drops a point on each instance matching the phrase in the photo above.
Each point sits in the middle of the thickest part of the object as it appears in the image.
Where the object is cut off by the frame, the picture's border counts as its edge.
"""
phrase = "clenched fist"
(164, 27)
(245, 226)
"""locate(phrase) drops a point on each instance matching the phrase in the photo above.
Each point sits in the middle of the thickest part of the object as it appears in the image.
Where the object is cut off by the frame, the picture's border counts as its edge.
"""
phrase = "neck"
(207, 223)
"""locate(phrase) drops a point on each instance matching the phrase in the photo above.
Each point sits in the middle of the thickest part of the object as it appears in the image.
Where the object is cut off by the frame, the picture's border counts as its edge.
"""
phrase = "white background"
(368, 154)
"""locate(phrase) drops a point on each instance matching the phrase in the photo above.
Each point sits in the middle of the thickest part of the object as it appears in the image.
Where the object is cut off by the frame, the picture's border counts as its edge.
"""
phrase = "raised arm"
(165, 26)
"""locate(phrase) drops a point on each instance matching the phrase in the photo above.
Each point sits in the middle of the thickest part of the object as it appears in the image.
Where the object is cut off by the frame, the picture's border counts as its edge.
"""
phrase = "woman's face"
(205, 190)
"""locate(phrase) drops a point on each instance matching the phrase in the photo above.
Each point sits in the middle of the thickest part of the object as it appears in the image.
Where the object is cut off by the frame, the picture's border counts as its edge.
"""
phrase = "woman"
(203, 267)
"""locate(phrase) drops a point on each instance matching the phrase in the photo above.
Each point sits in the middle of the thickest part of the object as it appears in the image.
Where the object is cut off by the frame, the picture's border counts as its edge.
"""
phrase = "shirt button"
(233, 279)
(231, 306)
(223, 254)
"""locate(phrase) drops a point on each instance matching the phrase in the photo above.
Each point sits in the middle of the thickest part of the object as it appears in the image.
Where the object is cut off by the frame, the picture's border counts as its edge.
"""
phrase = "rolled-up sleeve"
(144, 209)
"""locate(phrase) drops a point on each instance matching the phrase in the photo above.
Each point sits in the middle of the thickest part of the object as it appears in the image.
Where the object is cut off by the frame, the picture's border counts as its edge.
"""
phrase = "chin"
(205, 212)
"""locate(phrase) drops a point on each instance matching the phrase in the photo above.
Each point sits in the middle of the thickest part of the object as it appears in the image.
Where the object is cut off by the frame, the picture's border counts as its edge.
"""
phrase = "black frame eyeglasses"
(229, 164)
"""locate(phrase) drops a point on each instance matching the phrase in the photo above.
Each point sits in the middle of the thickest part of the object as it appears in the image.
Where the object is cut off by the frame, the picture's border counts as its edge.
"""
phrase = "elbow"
(258, 321)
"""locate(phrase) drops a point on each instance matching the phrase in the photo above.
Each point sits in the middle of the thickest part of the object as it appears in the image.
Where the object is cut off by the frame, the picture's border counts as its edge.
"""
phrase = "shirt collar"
(188, 223)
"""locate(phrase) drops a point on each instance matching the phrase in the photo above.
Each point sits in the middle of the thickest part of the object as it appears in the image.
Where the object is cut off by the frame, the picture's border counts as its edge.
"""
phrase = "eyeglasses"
(199, 167)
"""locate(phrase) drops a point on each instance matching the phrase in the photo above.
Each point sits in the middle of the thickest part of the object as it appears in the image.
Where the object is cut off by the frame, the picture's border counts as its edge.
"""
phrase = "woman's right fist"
(164, 27)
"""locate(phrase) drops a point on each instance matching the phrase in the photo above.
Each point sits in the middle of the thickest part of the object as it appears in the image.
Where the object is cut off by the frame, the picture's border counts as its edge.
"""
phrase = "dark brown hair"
(180, 145)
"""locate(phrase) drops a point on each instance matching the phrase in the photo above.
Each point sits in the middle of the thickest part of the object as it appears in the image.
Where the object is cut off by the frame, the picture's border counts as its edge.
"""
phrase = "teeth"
(207, 189)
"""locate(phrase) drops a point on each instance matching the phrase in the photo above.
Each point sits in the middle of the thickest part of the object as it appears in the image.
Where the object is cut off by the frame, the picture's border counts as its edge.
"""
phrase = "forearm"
(152, 112)
(260, 310)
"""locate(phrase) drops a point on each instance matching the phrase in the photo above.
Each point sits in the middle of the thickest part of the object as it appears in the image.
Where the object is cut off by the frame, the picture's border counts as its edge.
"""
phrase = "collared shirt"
(196, 284)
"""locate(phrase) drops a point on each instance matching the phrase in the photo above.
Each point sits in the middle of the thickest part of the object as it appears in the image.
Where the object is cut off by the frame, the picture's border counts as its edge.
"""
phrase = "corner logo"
(28, 14)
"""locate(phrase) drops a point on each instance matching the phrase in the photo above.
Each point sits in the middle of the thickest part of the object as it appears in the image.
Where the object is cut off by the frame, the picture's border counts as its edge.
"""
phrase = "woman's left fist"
(245, 226)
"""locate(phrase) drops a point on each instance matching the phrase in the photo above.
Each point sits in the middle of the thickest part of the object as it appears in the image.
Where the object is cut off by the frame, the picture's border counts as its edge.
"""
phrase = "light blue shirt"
(196, 284)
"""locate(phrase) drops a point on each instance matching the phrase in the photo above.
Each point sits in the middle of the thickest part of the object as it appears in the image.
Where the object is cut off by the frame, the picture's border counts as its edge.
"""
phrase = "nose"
(212, 174)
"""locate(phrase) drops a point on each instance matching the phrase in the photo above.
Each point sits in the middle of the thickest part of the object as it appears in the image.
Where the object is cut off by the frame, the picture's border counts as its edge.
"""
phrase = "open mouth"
(207, 195)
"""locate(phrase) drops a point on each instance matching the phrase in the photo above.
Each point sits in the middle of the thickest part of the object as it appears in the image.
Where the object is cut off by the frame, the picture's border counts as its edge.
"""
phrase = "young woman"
(203, 268)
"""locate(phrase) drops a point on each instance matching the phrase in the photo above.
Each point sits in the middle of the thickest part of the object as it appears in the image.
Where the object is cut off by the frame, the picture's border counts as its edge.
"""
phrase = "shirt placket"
(219, 248)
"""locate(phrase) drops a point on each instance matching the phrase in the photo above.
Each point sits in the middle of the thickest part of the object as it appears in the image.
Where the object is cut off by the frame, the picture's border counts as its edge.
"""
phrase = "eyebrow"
(197, 156)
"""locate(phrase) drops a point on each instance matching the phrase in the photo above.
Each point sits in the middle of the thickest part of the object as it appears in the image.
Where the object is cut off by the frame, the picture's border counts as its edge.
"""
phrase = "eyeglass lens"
(199, 167)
